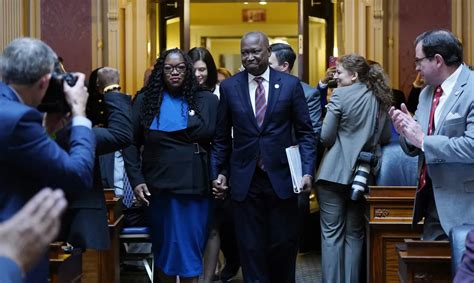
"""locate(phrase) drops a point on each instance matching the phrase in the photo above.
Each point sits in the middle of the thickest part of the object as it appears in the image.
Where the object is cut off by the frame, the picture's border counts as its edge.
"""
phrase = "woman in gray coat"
(356, 121)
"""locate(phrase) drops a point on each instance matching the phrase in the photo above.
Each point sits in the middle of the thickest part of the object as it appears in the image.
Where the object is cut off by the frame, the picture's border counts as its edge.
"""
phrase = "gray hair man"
(30, 159)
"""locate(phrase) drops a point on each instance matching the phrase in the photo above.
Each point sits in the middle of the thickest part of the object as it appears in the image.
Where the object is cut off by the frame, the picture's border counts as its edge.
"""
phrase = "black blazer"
(85, 222)
(173, 161)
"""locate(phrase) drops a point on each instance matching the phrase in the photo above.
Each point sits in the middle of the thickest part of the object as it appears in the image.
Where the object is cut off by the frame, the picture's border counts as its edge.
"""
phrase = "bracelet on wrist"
(111, 88)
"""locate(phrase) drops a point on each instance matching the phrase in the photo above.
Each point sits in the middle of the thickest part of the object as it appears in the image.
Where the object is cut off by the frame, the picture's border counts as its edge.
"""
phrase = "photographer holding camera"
(355, 124)
(29, 158)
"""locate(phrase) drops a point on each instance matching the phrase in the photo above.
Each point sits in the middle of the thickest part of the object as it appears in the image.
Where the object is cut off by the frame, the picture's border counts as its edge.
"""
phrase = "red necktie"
(260, 101)
(437, 94)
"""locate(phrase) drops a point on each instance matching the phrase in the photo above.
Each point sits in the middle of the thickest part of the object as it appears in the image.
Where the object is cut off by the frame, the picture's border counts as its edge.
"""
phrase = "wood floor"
(308, 270)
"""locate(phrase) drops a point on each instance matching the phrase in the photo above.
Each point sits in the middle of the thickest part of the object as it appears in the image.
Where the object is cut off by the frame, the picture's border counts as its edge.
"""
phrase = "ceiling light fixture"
(262, 2)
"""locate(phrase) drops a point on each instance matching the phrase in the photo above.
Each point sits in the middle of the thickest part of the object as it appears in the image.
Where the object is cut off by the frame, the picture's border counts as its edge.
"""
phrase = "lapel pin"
(191, 112)
(277, 86)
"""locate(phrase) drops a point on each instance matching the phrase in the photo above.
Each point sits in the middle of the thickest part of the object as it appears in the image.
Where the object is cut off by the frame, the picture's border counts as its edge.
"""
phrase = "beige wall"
(463, 26)
(18, 18)
(222, 25)
(231, 13)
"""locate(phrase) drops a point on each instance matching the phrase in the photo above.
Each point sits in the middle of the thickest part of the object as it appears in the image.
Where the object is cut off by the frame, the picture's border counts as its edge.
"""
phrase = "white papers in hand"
(294, 161)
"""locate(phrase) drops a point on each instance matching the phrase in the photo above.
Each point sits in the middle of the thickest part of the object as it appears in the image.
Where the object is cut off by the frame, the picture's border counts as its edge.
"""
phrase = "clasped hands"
(406, 126)
(219, 187)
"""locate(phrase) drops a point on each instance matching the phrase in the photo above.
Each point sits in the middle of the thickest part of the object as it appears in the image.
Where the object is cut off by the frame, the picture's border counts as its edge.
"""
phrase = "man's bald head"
(255, 52)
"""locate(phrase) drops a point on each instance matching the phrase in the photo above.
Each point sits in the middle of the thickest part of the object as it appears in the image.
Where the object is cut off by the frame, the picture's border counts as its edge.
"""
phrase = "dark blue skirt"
(179, 232)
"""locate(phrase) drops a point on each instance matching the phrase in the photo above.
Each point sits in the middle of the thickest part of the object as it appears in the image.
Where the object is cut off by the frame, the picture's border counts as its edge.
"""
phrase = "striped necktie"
(260, 101)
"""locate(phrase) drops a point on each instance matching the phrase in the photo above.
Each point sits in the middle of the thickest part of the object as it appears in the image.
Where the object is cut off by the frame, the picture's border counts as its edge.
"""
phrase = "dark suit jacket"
(30, 160)
(106, 162)
(86, 218)
(177, 161)
(286, 110)
(313, 98)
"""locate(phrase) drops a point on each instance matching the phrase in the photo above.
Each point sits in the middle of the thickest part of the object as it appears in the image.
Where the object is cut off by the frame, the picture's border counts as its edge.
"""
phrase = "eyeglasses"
(418, 60)
(180, 68)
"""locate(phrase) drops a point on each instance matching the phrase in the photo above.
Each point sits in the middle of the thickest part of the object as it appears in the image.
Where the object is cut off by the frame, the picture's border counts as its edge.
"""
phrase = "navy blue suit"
(265, 206)
(30, 160)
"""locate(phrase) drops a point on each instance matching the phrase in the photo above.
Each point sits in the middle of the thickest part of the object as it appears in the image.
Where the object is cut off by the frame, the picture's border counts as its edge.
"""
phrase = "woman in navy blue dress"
(168, 164)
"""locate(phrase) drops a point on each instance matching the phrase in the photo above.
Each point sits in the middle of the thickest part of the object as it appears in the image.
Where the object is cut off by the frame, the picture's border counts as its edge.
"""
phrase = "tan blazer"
(347, 129)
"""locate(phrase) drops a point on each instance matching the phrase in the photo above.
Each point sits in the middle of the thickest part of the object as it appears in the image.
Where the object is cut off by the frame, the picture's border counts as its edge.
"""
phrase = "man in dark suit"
(282, 59)
(85, 222)
(29, 159)
(441, 134)
(264, 204)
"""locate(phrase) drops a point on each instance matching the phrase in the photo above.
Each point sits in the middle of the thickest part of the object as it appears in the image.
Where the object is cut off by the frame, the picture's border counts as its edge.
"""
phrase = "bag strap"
(376, 135)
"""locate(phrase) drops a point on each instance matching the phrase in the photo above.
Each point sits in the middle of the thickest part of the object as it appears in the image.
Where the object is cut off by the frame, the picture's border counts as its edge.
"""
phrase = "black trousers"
(267, 233)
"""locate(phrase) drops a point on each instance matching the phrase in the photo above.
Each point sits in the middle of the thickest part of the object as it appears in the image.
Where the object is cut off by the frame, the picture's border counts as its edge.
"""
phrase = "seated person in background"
(26, 236)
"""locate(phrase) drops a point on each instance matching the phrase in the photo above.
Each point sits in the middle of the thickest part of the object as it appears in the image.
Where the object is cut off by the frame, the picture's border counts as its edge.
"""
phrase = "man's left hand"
(307, 183)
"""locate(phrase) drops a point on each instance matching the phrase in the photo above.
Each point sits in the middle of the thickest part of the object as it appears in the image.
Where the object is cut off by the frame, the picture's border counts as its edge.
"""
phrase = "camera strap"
(375, 137)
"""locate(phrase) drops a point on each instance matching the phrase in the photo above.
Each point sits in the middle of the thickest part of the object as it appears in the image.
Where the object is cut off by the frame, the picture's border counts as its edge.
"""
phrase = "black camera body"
(54, 100)
(365, 162)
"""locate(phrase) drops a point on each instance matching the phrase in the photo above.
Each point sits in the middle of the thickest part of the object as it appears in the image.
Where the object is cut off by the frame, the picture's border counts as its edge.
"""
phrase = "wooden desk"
(64, 267)
(424, 261)
(388, 223)
(104, 266)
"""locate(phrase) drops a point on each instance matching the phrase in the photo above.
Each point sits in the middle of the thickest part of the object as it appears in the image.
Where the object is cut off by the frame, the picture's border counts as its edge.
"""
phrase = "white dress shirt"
(447, 86)
(253, 86)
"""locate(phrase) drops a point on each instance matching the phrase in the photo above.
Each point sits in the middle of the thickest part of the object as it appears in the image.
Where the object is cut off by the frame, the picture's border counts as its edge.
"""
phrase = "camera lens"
(359, 185)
